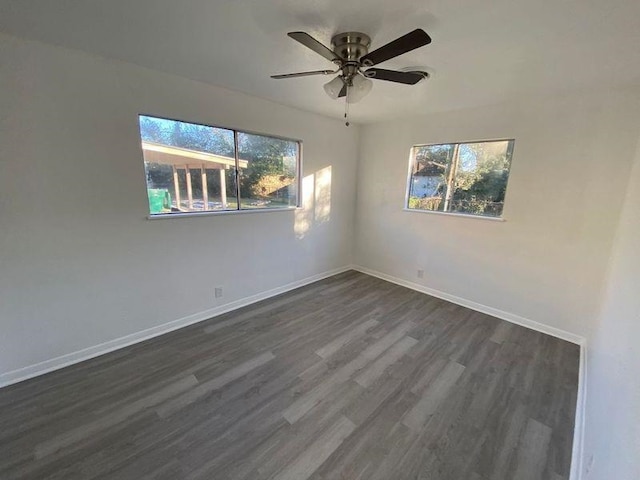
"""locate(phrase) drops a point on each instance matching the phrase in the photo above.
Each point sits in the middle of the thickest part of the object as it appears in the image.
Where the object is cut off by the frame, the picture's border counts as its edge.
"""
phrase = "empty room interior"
(328, 240)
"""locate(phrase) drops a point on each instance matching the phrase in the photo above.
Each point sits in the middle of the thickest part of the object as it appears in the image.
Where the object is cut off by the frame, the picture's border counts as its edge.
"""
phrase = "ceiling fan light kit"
(359, 89)
(350, 52)
(334, 87)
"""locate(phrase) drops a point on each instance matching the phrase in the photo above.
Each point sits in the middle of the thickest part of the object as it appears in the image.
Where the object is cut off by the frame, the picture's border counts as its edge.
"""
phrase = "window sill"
(464, 215)
(165, 216)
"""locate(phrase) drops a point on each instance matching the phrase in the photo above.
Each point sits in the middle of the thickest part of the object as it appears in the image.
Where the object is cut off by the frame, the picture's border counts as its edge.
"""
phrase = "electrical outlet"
(420, 273)
(218, 292)
(590, 463)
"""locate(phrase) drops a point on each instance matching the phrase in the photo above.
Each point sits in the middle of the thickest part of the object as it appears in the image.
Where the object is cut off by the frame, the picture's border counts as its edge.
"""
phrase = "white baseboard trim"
(494, 312)
(577, 453)
(62, 361)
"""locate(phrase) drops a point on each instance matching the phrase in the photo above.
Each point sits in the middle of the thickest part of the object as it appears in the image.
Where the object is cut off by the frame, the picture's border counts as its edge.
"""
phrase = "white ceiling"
(482, 52)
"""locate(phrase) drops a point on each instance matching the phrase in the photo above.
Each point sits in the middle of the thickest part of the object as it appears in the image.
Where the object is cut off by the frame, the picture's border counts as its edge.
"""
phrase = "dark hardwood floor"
(349, 378)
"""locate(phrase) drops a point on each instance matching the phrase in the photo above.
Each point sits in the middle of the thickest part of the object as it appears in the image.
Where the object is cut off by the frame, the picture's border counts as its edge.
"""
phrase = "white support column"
(176, 185)
(205, 188)
(189, 188)
(223, 187)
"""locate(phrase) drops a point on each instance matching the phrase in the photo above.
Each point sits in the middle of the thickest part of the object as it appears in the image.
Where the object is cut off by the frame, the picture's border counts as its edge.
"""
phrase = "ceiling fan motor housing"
(351, 45)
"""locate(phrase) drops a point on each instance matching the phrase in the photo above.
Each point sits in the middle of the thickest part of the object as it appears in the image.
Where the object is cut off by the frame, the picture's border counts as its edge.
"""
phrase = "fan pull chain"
(346, 108)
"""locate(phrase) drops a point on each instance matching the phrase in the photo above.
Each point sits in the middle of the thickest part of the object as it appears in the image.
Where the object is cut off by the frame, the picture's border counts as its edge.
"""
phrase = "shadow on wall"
(316, 202)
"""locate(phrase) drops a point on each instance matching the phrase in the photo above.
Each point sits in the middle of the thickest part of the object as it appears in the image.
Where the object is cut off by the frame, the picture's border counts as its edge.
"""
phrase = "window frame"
(238, 210)
(406, 208)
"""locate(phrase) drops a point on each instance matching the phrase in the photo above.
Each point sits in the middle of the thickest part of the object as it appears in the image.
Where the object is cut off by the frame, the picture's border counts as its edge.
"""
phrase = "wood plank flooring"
(349, 378)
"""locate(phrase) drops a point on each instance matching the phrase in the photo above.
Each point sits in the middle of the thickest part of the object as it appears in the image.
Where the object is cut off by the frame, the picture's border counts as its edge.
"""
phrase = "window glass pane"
(481, 178)
(189, 167)
(469, 178)
(429, 176)
(268, 171)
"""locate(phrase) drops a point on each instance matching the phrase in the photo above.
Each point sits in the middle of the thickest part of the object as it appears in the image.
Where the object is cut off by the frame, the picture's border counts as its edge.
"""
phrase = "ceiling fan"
(351, 55)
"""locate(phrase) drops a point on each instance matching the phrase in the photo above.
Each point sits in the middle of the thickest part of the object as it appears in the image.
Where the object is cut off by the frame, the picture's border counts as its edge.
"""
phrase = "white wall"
(547, 261)
(613, 385)
(80, 264)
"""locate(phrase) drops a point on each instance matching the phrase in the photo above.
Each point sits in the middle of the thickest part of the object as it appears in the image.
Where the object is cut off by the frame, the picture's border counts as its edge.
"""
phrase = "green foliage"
(425, 203)
(265, 156)
(481, 180)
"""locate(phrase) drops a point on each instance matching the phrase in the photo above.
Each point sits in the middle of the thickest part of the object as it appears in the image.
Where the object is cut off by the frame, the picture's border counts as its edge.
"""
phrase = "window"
(464, 178)
(198, 168)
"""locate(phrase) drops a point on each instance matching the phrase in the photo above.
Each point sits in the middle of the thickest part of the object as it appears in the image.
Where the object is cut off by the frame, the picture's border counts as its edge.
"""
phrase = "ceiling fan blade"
(343, 92)
(404, 44)
(408, 78)
(310, 42)
(305, 74)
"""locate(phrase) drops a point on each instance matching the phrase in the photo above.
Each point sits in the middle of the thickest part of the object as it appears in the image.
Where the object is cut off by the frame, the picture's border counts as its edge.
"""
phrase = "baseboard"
(577, 452)
(62, 361)
(494, 312)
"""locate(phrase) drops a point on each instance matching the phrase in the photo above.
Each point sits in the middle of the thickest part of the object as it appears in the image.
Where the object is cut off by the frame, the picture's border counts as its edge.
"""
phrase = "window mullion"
(453, 171)
(237, 159)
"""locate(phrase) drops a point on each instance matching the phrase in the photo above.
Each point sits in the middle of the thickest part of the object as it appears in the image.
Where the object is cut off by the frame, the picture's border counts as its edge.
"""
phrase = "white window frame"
(406, 208)
(239, 210)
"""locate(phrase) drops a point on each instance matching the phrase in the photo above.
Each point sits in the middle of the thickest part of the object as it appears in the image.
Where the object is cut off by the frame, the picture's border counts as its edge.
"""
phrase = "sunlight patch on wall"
(316, 202)
(323, 195)
(304, 217)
